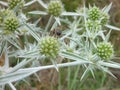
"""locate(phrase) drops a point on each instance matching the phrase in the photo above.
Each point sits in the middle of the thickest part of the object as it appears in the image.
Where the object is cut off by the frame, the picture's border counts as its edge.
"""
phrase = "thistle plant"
(83, 41)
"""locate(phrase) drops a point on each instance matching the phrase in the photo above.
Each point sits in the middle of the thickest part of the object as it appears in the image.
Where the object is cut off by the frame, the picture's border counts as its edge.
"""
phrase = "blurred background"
(52, 80)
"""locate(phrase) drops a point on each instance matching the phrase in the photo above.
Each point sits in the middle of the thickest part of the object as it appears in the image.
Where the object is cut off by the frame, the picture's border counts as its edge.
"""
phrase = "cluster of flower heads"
(94, 13)
(49, 46)
(96, 17)
(9, 20)
(8, 17)
(95, 21)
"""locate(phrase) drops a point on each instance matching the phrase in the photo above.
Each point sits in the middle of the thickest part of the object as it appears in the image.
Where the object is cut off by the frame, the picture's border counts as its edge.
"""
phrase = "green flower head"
(94, 13)
(55, 8)
(49, 46)
(11, 24)
(105, 50)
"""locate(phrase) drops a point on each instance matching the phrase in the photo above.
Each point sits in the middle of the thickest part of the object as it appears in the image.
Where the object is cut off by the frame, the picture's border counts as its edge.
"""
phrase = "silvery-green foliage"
(77, 41)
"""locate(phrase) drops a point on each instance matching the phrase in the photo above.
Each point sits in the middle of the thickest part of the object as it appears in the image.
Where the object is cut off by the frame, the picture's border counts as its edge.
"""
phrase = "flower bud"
(93, 25)
(105, 50)
(49, 46)
(55, 8)
(89, 24)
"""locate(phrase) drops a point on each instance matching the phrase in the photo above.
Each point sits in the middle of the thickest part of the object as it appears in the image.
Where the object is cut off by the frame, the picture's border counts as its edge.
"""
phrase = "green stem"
(103, 79)
(75, 76)
(69, 80)
(59, 86)
(25, 40)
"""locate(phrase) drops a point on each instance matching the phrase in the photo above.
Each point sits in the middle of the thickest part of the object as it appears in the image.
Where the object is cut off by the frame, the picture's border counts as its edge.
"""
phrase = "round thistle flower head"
(11, 24)
(105, 50)
(49, 46)
(105, 18)
(13, 3)
(94, 13)
(55, 8)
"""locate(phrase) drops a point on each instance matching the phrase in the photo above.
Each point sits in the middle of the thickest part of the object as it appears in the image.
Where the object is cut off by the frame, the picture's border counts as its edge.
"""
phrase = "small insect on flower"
(56, 32)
